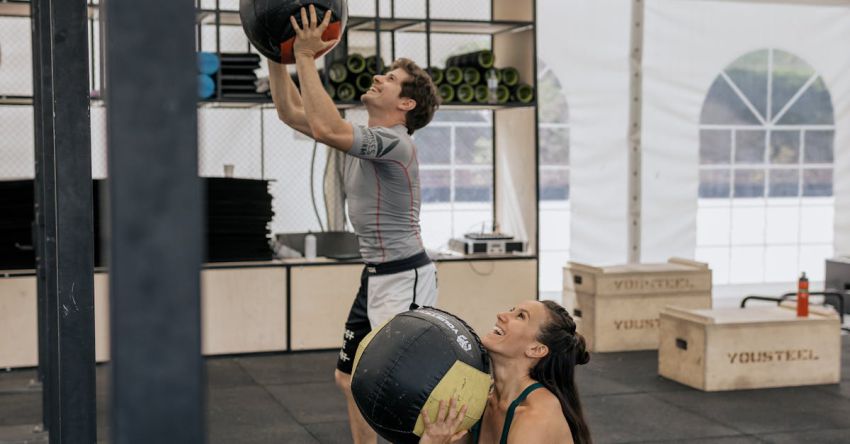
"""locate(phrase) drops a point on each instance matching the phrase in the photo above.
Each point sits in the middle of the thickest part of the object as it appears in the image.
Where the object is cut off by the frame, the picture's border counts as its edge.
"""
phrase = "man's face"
(386, 89)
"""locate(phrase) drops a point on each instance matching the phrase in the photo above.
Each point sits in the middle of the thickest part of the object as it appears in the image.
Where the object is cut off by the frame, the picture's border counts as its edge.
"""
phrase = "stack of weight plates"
(238, 76)
(239, 212)
(16, 216)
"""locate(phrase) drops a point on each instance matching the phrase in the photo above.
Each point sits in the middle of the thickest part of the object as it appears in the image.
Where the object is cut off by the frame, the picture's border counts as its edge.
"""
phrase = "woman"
(534, 349)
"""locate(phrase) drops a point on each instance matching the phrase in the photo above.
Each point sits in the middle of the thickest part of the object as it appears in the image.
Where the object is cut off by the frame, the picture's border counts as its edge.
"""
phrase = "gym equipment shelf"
(390, 24)
(21, 8)
(213, 17)
(14, 8)
(15, 100)
(246, 103)
(267, 103)
(437, 26)
(275, 306)
(512, 33)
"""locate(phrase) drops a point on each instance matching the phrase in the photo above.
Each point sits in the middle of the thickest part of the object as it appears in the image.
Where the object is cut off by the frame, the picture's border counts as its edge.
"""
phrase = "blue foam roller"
(206, 86)
(208, 63)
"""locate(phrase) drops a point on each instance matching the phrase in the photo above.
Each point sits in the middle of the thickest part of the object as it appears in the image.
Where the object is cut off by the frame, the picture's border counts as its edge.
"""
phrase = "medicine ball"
(266, 23)
(412, 362)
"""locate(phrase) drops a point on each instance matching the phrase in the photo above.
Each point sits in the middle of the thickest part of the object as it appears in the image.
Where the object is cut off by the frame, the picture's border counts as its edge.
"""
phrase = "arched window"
(554, 179)
(765, 163)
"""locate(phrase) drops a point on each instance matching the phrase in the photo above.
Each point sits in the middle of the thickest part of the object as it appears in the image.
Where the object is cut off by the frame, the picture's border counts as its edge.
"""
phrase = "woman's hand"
(442, 429)
(308, 41)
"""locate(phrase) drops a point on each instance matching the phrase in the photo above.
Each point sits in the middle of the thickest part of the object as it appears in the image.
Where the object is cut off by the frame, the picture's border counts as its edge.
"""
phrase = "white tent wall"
(687, 44)
(586, 43)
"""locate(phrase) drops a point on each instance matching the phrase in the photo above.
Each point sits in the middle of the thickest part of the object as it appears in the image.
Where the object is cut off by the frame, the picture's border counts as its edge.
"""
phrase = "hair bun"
(582, 356)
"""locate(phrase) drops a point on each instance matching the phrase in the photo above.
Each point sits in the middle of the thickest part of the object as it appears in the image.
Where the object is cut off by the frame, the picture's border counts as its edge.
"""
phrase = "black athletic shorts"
(397, 286)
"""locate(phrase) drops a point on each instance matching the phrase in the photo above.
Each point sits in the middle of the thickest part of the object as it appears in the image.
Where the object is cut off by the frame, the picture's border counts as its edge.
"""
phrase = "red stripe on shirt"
(378, 214)
(410, 192)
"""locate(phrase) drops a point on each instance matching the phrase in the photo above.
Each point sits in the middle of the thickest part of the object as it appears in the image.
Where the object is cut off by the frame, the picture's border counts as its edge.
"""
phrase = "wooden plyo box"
(747, 348)
(616, 308)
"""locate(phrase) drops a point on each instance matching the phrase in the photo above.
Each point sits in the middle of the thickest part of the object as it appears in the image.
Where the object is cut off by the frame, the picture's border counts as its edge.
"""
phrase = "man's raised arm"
(325, 122)
(286, 99)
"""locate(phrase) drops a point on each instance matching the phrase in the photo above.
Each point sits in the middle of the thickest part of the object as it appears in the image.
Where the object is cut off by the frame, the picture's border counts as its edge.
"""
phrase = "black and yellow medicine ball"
(266, 23)
(412, 362)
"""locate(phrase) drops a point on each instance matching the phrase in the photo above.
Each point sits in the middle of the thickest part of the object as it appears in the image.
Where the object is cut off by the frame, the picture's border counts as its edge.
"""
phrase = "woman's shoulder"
(540, 417)
(544, 400)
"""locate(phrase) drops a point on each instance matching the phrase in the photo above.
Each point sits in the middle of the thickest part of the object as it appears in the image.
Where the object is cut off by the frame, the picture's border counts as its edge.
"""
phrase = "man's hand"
(308, 41)
(326, 125)
(442, 430)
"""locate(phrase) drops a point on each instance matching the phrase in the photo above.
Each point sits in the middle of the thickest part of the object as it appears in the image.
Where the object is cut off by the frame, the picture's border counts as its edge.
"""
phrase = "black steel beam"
(44, 232)
(72, 375)
(156, 223)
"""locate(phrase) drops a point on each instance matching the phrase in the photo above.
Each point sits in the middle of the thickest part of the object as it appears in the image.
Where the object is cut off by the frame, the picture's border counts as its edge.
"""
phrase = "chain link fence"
(16, 144)
(16, 121)
(15, 57)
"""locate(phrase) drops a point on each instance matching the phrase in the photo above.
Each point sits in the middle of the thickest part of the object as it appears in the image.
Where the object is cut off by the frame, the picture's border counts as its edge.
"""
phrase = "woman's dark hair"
(556, 371)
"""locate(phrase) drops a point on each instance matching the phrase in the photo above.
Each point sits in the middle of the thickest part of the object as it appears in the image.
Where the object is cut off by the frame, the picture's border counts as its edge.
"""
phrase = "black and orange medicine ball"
(266, 22)
(410, 364)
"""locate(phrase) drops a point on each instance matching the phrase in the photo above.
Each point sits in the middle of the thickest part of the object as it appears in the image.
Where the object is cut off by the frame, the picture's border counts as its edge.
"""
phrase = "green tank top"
(509, 417)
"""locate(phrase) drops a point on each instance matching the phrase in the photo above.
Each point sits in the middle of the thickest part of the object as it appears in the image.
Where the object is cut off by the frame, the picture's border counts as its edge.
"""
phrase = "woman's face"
(516, 330)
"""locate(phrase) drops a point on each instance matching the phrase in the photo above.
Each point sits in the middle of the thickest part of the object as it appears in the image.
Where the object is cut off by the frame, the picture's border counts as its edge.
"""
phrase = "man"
(381, 185)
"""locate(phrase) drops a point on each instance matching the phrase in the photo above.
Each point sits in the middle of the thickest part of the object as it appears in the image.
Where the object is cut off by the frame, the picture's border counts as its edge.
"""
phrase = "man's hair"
(420, 88)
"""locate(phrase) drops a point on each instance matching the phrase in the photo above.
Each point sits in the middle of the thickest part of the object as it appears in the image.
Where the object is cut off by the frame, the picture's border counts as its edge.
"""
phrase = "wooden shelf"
(371, 24)
(228, 18)
(438, 26)
(242, 103)
(259, 103)
(477, 106)
(21, 8)
(15, 100)
(452, 106)
(267, 103)
(386, 24)
(14, 8)
(444, 26)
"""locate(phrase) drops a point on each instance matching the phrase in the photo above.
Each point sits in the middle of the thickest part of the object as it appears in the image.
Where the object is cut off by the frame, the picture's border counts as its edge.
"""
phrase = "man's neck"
(387, 120)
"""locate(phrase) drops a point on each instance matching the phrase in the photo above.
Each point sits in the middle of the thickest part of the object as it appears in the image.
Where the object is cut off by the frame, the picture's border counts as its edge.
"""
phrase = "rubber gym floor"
(291, 398)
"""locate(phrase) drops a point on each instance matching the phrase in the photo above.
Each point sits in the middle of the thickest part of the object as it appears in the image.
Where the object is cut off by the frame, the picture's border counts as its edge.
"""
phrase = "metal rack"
(377, 24)
(512, 33)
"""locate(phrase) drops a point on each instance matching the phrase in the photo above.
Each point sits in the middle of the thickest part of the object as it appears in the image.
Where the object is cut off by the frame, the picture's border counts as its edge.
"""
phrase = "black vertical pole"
(155, 207)
(378, 30)
(428, 33)
(218, 46)
(44, 233)
(72, 378)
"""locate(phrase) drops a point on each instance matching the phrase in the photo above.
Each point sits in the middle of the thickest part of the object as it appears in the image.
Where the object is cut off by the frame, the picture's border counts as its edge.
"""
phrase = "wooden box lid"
(674, 264)
(676, 276)
(751, 316)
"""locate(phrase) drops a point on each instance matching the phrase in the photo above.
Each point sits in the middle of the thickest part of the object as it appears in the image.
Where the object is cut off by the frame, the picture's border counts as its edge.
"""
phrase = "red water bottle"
(803, 296)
